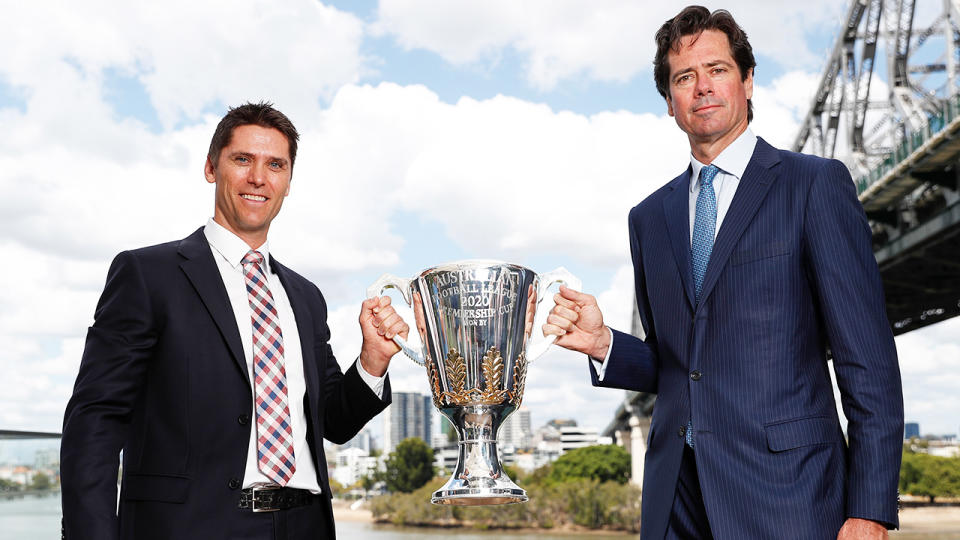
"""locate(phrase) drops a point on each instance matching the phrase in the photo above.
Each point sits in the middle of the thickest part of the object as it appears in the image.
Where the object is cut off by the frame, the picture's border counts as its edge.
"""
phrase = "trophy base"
(479, 496)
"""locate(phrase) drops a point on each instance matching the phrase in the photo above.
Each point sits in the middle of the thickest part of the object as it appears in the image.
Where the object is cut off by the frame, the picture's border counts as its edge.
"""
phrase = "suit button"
(233, 484)
(695, 375)
(682, 431)
(243, 419)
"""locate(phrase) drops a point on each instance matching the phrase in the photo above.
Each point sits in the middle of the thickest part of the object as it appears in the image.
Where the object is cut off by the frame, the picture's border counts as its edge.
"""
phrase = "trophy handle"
(560, 275)
(389, 281)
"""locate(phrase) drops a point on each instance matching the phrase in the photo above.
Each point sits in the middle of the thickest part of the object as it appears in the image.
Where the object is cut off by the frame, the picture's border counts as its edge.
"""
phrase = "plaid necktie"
(704, 226)
(274, 433)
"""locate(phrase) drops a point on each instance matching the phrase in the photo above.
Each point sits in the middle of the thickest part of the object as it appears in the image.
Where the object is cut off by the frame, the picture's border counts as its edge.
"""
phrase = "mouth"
(705, 108)
(254, 198)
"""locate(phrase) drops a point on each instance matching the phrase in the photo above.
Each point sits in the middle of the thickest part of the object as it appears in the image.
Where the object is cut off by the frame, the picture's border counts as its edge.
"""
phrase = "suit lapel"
(756, 181)
(304, 321)
(676, 210)
(203, 274)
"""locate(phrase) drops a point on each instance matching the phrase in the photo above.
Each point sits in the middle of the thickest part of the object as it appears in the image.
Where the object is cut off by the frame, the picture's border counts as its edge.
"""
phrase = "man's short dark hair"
(258, 114)
(692, 21)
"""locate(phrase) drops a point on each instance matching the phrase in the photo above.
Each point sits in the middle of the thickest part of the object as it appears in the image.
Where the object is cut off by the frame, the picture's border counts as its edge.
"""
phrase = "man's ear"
(208, 171)
(748, 84)
(669, 106)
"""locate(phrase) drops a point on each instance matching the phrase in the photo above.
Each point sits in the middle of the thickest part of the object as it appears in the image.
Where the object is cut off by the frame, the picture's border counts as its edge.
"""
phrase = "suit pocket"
(155, 487)
(774, 249)
(802, 432)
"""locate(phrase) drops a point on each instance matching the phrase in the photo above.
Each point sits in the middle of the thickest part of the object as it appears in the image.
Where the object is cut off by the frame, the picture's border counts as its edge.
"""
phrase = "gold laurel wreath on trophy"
(492, 392)
(519, 379)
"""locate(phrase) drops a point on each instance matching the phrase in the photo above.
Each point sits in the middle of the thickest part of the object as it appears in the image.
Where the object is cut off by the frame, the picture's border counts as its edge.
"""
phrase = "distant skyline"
(431, 131)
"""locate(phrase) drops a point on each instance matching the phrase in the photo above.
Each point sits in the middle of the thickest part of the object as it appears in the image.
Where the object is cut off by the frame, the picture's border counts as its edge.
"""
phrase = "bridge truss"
(896, 125)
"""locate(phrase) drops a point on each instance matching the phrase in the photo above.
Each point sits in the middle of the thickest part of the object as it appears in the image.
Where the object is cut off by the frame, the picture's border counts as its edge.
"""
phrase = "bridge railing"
(935, 123)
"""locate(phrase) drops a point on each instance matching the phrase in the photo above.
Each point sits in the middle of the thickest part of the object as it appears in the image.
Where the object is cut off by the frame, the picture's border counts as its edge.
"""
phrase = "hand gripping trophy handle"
(560, 275)
(389, 281)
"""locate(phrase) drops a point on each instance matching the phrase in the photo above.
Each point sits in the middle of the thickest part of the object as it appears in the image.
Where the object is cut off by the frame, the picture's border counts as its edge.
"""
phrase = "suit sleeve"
(633, 362)
(849, 291)
(97, 417)
(349, 402)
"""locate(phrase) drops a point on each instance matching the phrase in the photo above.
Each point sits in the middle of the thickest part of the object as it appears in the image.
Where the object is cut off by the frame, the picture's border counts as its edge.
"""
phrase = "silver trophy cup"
(475, 319)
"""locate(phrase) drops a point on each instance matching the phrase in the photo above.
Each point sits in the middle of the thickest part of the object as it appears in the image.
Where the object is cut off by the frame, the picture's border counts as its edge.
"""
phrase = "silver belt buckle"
(256, 488)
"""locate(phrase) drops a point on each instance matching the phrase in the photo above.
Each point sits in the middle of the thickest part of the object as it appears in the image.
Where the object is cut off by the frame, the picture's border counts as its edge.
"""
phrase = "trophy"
(474, 319)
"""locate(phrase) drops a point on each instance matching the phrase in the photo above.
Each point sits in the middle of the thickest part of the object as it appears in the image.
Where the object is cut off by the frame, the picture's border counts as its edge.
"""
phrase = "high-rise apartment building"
(515, 431)
(407, 416)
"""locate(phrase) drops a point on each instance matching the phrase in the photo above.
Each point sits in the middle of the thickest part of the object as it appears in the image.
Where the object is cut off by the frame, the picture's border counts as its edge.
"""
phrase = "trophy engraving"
(475, 319)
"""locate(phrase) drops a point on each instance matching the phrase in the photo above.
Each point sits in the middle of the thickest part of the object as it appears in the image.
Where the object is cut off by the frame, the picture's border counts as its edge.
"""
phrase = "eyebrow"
(251, 155)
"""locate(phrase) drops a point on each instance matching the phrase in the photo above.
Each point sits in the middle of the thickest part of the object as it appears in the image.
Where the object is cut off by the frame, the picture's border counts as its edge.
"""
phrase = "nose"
(704, 85)
(257, 175)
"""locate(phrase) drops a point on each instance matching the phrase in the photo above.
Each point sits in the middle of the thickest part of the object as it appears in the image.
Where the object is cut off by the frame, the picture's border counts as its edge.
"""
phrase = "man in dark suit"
(749, 266)
(209, 366)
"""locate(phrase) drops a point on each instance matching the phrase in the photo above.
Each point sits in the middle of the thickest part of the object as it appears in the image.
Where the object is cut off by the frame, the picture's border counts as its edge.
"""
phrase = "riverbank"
(916, 523)
(929, 522)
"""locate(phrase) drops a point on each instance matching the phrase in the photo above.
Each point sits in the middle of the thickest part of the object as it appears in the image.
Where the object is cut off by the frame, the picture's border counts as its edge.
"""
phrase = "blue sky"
(431, 131)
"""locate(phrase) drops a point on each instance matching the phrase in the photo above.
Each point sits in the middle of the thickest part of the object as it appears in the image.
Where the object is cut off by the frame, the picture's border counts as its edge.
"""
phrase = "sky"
(431, 131)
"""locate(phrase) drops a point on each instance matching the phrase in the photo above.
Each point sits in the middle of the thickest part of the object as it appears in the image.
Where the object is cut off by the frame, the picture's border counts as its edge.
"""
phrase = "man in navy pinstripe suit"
(750, 266)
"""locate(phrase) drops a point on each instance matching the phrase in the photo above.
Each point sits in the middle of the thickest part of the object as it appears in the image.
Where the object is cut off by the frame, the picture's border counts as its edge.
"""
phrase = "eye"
(276, 164)
(719, 70)
(684, 79)
(241, 159)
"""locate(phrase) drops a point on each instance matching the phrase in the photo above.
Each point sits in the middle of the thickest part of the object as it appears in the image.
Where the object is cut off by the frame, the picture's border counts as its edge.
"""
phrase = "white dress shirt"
(228, 252)
(732, 162)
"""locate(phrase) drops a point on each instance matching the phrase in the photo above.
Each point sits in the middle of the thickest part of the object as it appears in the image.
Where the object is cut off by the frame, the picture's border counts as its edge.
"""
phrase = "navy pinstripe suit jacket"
(792, 274)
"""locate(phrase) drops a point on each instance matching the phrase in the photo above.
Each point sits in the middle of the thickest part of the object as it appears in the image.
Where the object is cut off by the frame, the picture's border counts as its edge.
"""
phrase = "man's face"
(252, 176)
(707, 97)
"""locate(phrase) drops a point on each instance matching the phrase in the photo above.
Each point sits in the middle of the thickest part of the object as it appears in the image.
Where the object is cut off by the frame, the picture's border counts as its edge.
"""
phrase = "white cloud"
(929, 363)
(503, 177)
(780, 107)
(188, 56)
(609, 41)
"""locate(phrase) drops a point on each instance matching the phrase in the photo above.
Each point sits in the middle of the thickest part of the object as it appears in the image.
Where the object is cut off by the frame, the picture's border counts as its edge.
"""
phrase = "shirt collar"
(732, 160)
(230, 246)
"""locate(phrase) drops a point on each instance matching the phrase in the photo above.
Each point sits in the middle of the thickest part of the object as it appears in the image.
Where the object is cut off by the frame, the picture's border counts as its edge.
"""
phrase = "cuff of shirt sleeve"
(603, 363)
(375, 383)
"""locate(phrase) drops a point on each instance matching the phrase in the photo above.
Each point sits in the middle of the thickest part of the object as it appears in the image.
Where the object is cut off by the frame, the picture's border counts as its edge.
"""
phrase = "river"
(38, 518)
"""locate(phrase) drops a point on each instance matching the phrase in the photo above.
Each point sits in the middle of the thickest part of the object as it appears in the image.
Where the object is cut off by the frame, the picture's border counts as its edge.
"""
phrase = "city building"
(445, 458)
(911, 430)
(362, 440)
(407, 416)
(572, 437)
(353, 464)
(515, 431)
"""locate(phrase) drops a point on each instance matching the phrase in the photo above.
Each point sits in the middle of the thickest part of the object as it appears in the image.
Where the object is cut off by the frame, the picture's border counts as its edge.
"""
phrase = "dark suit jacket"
(792, 274)
(163, 378)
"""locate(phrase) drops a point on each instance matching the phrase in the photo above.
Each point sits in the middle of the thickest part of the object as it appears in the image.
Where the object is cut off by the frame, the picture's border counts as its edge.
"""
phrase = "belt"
(270, 498)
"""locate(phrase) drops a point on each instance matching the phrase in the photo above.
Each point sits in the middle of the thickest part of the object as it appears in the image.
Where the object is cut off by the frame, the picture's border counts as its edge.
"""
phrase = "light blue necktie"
(704, 225)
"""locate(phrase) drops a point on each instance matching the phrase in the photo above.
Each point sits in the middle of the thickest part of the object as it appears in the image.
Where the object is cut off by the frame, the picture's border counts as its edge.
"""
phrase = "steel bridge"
(898, 135)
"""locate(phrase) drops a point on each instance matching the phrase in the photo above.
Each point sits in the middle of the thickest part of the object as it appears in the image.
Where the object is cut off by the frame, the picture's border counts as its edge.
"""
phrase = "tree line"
(924, 475)
(587, 487)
